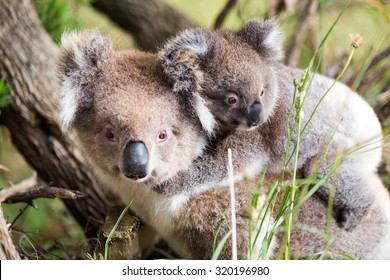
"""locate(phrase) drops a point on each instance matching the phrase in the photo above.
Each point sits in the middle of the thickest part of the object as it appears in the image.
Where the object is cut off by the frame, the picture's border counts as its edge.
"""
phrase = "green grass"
(55, 15)
(106, 245)
(48, 231)
(296, 193)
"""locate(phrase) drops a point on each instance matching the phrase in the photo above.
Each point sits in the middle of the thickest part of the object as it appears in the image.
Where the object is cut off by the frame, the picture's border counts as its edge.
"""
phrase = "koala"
(239, 91)
(137, 134)
(245, 87)
(133, 132)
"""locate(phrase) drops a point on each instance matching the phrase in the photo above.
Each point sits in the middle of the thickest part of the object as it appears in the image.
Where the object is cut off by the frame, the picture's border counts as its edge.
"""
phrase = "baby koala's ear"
(182, 57)
(83, 55)
(264, 36)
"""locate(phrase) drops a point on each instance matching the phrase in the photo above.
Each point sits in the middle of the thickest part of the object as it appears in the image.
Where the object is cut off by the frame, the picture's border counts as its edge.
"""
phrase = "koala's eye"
(162, 136)
(110, 133)
(262, 93)
(232, 99)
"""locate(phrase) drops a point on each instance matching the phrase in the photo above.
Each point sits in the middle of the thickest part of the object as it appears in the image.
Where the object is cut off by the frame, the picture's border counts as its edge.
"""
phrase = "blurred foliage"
(58, 15)
(4, 93)
(55, 15)
(47, 231)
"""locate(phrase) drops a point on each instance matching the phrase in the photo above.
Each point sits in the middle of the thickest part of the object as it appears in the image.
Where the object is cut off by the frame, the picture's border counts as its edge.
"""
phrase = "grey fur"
(228, 70)
(265, 38)
(191, 72)
(199, 45)
(130, 96)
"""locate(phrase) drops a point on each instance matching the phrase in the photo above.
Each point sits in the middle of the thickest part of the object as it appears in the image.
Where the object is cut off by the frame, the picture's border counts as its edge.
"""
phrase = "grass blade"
(115, 227)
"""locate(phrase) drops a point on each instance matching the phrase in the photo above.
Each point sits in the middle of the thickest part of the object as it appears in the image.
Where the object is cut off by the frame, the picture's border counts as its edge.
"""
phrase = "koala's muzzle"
(135, 160)
(254, 114)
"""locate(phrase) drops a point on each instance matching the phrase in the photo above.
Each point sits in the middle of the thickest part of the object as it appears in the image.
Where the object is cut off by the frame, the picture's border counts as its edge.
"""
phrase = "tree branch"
(21, 187)
(27, 190)
(370, 77)
(28, 60)
(151, 22)
(379, 57)
(225, 11)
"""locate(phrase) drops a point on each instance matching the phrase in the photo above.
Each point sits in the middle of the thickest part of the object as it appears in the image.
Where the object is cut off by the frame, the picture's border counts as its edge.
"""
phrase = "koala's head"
(231, 73)
(129, 124)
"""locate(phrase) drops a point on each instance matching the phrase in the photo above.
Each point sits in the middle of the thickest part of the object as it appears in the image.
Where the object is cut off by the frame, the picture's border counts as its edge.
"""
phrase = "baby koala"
(237, 88)
(243, 97)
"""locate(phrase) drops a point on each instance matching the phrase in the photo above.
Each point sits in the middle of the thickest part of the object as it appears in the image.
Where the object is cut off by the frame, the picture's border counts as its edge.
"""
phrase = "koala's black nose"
(135, 160)
(254, 115)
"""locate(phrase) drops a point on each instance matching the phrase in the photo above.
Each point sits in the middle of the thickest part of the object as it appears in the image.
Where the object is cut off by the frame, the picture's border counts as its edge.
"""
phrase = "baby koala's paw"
(349, 219)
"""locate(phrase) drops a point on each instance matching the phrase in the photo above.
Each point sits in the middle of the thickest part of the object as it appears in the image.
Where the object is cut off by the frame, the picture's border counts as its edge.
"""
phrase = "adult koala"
(135, 133)
(238, 78)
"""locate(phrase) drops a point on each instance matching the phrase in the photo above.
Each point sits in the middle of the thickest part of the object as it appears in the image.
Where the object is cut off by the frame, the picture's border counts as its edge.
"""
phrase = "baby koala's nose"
(135, 160)
(254, 114)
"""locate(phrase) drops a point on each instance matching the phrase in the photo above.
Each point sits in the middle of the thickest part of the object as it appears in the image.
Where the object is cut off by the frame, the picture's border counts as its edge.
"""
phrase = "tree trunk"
(151, 22)
(28, 62)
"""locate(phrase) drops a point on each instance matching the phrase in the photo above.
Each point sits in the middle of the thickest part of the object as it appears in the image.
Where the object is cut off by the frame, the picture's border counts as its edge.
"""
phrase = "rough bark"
(7, 248)
(151, 22)
(28, 61)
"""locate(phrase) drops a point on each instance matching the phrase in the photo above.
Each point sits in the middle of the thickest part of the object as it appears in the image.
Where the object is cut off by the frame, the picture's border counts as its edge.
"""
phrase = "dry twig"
(7, 248)
(27, 190)
(21, 187)
(232, 205)
(372, 76)
(379, 57)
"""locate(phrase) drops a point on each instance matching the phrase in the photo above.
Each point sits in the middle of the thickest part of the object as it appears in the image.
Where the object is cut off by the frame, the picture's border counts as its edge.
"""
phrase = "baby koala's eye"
(110, 133)
(232, 99)
(162, 136)
(262, 92)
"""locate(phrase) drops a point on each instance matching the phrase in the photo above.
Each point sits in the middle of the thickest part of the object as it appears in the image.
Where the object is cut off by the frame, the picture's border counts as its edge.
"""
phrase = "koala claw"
(347, 219)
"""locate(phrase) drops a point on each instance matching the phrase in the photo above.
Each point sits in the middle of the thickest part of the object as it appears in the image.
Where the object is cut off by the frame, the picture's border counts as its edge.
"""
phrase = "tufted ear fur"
(264, 36)
(83, 54)
(182, 58)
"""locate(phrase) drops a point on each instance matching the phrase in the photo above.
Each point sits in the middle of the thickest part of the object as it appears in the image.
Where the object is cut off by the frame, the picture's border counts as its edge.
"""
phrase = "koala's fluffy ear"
(264, 36)
(182, 58)
(83, 55)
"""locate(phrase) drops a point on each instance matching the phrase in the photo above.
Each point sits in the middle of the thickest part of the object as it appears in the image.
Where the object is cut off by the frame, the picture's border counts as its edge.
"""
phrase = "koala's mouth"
(139, 180)
(148, 180)
(247, 124)
(245, 127)
(242, 126)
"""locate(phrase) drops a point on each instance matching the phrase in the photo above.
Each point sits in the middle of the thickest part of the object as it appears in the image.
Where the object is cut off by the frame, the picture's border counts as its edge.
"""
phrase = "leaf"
(220, 246)
(4, 93)
(114, 228)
